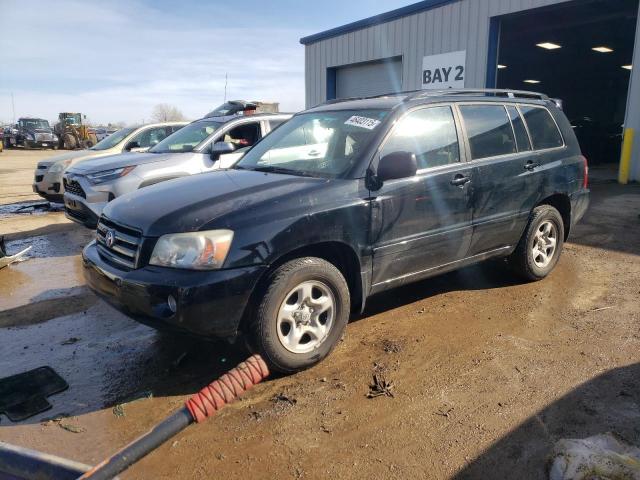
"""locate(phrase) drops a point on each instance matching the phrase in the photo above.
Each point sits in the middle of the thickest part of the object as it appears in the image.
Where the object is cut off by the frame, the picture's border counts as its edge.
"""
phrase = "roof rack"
(496, 92)
(419, 94)
(351, 99)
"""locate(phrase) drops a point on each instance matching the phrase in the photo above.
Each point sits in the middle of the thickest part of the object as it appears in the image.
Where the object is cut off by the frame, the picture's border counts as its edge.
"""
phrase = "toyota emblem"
(109, 238)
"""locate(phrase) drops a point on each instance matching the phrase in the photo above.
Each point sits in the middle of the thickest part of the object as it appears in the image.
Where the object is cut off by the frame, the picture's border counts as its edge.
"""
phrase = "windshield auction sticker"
(363, 122)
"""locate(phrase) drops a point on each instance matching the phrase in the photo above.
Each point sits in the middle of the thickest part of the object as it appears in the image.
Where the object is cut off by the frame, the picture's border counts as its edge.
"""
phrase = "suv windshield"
(324, 144)
(34, 123)
(114, 139)
(187, 138)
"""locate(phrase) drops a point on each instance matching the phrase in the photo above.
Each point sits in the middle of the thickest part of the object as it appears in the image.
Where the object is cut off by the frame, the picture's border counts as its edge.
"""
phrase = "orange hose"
(227, 388)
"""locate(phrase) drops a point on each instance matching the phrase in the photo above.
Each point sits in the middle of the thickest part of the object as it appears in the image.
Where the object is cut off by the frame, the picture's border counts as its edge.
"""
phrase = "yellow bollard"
(625, 158)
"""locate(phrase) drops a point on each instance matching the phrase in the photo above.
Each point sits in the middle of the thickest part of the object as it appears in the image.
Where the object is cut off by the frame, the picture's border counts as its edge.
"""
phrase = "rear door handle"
(460, 180)
(531, 165)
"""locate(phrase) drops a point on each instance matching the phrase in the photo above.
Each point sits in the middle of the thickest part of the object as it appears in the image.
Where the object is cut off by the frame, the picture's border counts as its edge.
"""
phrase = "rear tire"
(541, 244)
(301, 315)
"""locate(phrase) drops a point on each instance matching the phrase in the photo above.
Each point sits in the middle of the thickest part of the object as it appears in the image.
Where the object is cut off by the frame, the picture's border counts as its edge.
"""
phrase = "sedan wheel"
(544, 244)
(306, 317)
(539, 248)
(302, 313)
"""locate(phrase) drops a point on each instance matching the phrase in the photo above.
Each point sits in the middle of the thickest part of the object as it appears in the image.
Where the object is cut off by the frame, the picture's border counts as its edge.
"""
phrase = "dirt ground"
(487, 372)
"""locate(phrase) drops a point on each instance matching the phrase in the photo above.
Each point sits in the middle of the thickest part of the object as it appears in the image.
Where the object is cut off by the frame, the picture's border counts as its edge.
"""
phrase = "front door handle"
(531, 165)
(460, 180)
(314, 153)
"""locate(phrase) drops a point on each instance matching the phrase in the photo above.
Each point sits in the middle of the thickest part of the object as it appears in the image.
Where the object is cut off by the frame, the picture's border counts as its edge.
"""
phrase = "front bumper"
(77, 210)
(43, 144)
(84, 202)
(48, 185)
(209, 303)
(51, 197)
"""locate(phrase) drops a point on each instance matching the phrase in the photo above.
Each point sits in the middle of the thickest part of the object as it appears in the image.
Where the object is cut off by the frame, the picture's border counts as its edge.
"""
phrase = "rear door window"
(489, 130)
(150, 137)
(542, 128)
(522, 138)
(429, 133)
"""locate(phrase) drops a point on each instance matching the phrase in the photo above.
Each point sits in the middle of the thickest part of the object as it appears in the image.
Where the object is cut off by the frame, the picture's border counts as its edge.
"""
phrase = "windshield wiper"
(282, 170)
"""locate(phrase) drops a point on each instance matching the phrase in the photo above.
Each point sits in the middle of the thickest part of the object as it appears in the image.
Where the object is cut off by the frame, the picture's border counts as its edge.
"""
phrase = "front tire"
(541, 244)
(301, 315)
(70, 142)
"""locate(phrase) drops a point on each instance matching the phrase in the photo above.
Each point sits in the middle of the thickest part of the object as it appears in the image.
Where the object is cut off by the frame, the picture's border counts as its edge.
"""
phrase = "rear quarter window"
(542, 128)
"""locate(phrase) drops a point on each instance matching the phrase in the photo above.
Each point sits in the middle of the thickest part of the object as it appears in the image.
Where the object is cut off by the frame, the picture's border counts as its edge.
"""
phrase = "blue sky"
(115, 60)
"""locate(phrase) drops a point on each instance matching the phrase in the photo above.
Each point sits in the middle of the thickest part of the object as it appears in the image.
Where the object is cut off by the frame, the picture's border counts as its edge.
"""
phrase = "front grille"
(44, 137)
(39, 178)
(43, 167)
(126, 245)
(74, 187)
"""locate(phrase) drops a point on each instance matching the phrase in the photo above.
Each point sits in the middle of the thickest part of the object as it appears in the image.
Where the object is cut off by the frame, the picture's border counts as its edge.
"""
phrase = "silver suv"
(207, 144)
(48, 175)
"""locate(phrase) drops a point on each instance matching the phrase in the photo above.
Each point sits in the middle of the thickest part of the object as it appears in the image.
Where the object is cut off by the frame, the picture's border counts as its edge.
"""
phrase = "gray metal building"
(581, 51)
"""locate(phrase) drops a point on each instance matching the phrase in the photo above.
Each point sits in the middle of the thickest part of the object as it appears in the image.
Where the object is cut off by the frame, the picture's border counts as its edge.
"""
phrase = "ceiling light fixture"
(548, 46)
(602, 49)
(627, 67)
(532, 81)
(500, 67)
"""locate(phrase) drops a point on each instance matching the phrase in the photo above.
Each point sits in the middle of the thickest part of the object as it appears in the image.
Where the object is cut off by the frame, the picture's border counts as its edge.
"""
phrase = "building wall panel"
(462, 25)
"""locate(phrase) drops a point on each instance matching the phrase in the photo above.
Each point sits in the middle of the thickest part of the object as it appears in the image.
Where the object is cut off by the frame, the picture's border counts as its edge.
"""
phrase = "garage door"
(367, 79)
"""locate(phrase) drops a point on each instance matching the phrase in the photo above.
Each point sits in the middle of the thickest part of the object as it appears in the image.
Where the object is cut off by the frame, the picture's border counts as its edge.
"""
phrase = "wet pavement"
(487, 372)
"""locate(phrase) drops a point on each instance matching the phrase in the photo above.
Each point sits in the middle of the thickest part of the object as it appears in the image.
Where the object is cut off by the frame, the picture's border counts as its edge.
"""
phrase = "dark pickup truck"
(345, 200)
(31, 132)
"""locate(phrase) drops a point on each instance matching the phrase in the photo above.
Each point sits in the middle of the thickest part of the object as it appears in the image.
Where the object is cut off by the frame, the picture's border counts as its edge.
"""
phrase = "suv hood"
(209, 200)
(117, 161)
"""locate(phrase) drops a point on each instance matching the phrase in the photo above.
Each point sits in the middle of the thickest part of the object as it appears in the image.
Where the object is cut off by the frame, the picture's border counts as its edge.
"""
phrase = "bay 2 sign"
(444, 71)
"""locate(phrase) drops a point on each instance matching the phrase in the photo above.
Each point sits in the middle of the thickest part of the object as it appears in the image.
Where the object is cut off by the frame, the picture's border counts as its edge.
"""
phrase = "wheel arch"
(338, 253)
(561, 202)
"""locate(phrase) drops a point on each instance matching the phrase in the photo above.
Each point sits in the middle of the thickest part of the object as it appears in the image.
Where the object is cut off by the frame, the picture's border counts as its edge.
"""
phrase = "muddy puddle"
(29, 208)
(108, 359)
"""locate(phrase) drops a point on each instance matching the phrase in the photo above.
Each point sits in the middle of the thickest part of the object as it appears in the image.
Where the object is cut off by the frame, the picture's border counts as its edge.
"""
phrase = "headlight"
(55, 137)
(59, 166)
(29, 136)
(195, 250)
(108, 175)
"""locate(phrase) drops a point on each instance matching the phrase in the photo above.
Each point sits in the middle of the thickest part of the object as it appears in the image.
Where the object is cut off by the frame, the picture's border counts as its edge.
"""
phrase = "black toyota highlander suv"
(344, 200)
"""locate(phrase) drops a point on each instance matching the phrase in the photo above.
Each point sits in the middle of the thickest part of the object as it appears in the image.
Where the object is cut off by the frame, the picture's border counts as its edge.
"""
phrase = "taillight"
(585, 182)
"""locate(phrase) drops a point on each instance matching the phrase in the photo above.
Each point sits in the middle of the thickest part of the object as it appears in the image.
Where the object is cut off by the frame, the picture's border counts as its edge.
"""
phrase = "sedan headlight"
(195, 250)
(59, 166)
(108, 175)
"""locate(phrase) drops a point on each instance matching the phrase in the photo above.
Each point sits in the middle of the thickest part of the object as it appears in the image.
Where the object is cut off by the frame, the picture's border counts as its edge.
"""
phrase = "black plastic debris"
(25, 394)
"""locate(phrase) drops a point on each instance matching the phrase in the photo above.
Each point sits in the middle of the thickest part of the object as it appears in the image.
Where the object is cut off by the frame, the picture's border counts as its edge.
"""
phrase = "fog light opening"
(171, 302)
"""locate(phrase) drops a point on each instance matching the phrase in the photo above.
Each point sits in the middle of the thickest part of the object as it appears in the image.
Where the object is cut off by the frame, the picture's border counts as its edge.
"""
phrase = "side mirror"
(131, 145)
(221, 148)
(397, 165)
